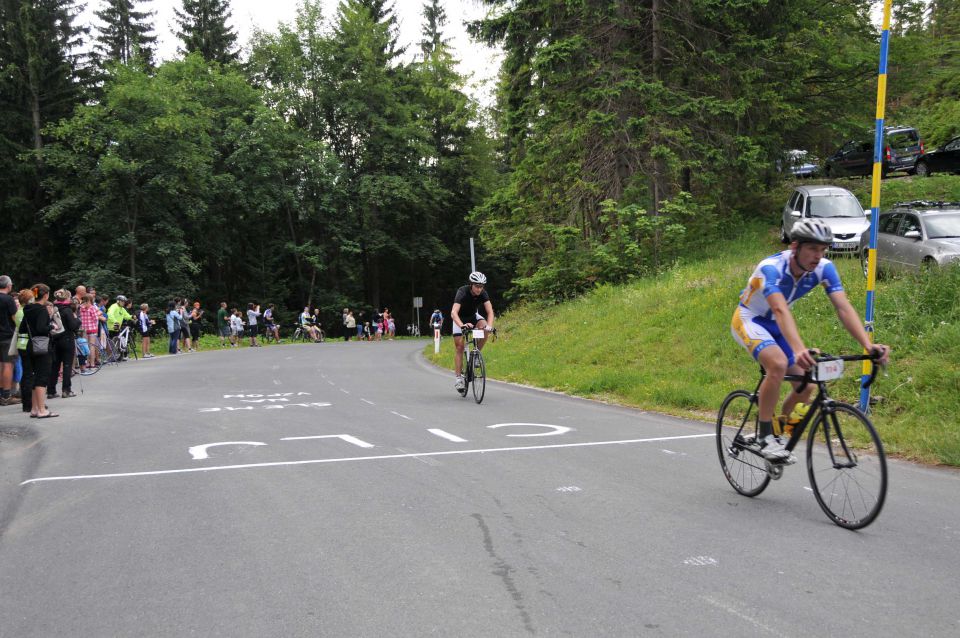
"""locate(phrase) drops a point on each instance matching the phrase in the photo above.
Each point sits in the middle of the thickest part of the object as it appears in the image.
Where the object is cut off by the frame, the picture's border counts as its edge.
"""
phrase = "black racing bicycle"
(846, 463)
(475, 374)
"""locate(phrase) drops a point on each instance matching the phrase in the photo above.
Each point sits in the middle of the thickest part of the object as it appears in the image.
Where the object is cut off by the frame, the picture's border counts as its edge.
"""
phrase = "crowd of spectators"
(40, 337)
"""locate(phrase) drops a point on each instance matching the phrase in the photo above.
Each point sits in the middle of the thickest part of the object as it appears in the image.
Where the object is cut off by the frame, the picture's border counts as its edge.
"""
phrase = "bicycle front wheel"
(737, 437)
(479, 377)
(847, 466)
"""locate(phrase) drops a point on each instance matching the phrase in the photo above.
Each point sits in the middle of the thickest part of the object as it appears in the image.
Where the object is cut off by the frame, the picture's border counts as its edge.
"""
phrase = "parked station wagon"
(913, 235)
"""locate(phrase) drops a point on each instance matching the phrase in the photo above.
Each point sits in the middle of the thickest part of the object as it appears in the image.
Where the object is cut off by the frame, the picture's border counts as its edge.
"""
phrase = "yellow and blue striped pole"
(878, 150)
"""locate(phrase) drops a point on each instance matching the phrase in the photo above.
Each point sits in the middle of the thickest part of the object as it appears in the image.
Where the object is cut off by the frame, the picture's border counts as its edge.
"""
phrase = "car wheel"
(929, 264)
(784, 238)
(922, 169)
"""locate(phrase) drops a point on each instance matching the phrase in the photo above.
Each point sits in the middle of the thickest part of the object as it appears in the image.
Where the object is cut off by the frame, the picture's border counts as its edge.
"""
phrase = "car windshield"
(833, 206)
(943, 226)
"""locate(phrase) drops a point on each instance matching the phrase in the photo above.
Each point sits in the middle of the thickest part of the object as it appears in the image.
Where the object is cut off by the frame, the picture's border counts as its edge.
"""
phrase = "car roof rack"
(920, 203)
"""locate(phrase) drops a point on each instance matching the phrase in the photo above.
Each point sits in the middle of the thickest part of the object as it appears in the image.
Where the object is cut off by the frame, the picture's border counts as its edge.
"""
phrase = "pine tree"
(204, 28)
(126, 35)
(434, 19)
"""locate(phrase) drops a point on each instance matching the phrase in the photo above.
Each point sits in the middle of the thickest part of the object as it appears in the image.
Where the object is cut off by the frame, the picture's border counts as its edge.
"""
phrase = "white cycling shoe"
(774, 450)
(460, 384)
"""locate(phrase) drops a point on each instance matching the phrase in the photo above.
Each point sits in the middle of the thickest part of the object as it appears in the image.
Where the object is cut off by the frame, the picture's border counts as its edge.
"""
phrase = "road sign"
(418, 302)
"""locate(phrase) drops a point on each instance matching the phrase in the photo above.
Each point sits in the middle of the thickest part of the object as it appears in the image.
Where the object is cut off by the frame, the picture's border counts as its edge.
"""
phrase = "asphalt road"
(347, 490)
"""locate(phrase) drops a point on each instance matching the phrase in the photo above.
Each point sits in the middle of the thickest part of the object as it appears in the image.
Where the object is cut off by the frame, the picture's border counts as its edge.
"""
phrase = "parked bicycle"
(124, 344)
(845, 460)
(475, 372)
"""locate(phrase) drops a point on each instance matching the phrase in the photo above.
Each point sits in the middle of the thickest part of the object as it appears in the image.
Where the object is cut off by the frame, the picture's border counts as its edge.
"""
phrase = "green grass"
(664, 344)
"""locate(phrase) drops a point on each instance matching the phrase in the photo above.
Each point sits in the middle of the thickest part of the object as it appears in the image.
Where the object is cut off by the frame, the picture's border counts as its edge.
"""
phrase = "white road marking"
(569, 488)
(668, 451)
(402, 416)
(736, 612)
(49, 479)
(345, 437)
(557, 429)
(199, 452)
(447, 435)
(331, 382)
(276, 382)
(370, 402)
(344, 391)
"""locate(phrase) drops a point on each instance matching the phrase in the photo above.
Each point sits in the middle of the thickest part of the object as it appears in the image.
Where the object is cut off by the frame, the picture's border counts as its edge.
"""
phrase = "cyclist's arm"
(488, 307)
(850, 319)
(784, 318)
(455, 313)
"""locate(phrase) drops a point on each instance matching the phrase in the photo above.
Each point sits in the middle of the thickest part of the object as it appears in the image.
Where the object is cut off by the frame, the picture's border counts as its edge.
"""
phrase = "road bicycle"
(124, 344)
(301, 334)
(475, 373)
(845, 460)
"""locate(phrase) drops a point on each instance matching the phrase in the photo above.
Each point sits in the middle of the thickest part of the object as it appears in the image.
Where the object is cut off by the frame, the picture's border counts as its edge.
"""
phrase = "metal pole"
(875, 195)
(473, 258)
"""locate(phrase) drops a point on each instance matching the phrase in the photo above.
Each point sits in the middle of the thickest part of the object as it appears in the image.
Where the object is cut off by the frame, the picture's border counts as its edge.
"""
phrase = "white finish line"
(50, 479)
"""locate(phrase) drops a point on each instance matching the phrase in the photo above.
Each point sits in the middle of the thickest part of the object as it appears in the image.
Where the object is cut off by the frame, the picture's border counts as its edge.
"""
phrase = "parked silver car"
(914, 235)
(837, 207)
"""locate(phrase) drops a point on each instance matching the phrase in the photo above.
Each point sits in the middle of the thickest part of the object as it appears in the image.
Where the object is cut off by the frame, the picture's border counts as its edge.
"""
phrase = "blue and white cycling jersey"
(773, 275)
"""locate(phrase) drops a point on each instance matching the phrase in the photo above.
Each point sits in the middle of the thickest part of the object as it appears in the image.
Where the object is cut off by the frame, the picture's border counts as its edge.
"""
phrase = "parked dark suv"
(902, 147)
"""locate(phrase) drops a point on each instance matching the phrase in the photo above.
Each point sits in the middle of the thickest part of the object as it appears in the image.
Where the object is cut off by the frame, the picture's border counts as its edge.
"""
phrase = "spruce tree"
(204, 28)
(126, 35)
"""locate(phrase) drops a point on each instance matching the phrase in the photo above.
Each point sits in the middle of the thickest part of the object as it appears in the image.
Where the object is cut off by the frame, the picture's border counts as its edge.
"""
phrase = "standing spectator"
(253, 311)
(144, 323)
(269, 318)
(116, 315)
(196, 315)
(351, 325)
(186, 345)
(173, 326)
(236, 328)
(389, 325)
(360, 325)
(63, 347)
(8, 325)
(80, 294)
(89, 325)
(377, 326)
(24, 297)
(102, 326)
(367, 334)
(37, 322)
(223, 324)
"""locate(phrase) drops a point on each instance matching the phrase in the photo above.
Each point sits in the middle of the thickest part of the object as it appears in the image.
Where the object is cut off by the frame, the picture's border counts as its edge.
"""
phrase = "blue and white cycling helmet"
(813, 231)
(477, 277)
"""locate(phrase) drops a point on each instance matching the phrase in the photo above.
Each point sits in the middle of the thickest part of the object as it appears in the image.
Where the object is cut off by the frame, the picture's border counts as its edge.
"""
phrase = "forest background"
(327, 166)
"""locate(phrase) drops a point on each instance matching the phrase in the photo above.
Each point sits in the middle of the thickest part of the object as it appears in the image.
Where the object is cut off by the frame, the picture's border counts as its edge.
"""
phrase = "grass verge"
(664, 344)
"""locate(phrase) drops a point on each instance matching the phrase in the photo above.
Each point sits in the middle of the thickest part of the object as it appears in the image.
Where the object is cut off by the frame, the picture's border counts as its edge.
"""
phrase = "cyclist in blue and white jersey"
(764, 325)
(465, 314)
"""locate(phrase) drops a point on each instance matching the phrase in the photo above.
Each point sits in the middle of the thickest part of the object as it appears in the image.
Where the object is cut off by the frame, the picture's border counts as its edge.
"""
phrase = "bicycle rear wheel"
(737, 434)
(847, 466)
(479, 375)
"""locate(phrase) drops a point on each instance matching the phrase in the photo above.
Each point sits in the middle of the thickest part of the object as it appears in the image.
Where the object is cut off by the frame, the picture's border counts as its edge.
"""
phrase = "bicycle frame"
(820, 403)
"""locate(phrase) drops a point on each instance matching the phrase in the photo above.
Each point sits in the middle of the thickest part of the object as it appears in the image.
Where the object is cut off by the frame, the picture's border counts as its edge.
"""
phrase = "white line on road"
(402, 416)
(344, 391)
(49, 479)
(345, 437)
(370, 402)
(447, 435)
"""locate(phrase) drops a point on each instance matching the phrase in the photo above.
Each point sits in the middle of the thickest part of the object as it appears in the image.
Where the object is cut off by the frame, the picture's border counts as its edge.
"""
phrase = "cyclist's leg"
(754, 334)
(480, 325)
(458, 345)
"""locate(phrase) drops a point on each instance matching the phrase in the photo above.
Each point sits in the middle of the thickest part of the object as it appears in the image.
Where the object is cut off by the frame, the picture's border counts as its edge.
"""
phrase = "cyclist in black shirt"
(466, 314)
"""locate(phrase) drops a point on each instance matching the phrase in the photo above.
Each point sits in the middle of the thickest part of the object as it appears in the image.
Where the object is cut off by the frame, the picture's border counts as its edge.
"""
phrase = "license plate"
(839, 245)
(829, 370)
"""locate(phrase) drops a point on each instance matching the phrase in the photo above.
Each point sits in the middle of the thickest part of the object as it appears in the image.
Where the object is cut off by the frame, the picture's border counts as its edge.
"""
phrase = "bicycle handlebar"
(872, 356)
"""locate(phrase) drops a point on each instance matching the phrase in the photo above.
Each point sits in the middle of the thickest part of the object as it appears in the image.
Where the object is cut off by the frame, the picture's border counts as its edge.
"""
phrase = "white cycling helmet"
(477, 277)
(812, 230)
(121, 298)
